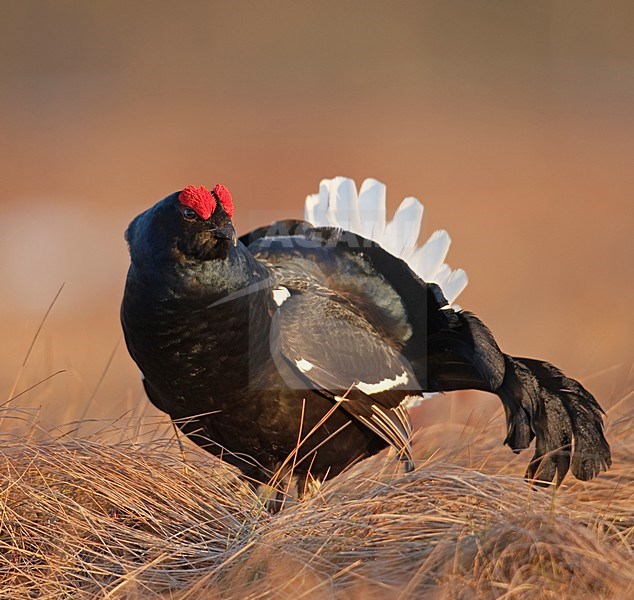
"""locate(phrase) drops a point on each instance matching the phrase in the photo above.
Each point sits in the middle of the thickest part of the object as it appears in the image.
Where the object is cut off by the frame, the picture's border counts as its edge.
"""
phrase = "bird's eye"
(188, 213)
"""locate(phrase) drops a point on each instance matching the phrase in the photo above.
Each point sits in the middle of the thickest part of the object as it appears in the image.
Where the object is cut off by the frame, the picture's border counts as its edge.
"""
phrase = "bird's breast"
(195, 348)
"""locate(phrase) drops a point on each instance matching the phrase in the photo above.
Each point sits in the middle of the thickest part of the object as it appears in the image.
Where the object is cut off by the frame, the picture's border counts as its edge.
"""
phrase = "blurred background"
(511, 121)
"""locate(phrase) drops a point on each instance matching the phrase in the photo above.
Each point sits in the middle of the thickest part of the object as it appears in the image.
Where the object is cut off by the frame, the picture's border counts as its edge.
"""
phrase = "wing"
(342, 326)
(359, 305)
(338, 353)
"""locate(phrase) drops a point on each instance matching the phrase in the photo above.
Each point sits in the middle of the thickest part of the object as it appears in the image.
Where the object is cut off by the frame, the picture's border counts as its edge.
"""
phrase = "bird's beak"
(227, 232)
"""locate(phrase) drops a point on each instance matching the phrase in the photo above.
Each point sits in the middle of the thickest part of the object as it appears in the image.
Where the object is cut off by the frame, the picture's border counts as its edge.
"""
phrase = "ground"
(116, 515)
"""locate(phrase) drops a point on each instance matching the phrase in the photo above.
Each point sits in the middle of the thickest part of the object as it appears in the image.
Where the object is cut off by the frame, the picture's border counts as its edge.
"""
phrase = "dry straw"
(118, 519)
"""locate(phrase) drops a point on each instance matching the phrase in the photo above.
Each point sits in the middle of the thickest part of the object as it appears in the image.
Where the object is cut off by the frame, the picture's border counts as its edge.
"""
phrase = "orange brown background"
(511, 121)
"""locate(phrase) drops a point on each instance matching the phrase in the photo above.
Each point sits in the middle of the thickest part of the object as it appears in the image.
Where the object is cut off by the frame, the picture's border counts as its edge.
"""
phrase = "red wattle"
(224, 197)
(199, 199)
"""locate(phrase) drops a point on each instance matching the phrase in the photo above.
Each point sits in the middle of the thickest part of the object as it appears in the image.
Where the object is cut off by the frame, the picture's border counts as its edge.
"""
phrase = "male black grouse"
(299, 346)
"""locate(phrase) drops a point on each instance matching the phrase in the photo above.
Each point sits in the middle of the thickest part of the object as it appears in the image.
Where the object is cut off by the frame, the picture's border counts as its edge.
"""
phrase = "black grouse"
(298, 346)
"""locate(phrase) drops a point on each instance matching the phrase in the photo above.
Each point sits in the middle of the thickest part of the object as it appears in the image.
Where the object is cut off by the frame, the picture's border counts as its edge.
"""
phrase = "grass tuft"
(86, 518)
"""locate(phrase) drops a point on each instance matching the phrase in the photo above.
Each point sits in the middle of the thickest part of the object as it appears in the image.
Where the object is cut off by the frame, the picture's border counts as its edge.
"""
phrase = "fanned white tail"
(338, 205)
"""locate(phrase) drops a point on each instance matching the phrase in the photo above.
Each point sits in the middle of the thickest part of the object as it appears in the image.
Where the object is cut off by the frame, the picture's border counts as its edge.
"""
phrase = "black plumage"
(316, 334)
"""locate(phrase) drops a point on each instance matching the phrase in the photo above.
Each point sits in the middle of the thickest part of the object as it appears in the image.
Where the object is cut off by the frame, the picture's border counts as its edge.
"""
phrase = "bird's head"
(193, 224)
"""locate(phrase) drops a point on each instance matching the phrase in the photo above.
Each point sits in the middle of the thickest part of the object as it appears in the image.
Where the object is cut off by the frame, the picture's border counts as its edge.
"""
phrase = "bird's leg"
(393, 454)
(277, 492)
(308, 486)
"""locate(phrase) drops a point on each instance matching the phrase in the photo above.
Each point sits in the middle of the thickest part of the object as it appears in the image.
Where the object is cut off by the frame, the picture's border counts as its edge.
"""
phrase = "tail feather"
(517, 392)
(540, 402)
(338, 205)
(572, 424)
(548, 420)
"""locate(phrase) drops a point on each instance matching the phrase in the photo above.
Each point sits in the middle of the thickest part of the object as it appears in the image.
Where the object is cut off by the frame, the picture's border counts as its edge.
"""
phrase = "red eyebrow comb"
(199, 199)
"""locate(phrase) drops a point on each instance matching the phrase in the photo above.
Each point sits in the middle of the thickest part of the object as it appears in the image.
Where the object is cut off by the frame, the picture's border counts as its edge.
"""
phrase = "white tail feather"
(456, 282)
(372, 209)
(343, 206)
(401, 234)
(312, 208)
(337, 205)
(442, 275)
(430, 257)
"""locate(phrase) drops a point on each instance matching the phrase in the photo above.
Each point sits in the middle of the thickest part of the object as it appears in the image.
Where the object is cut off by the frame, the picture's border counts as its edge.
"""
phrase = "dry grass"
(137, 520)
